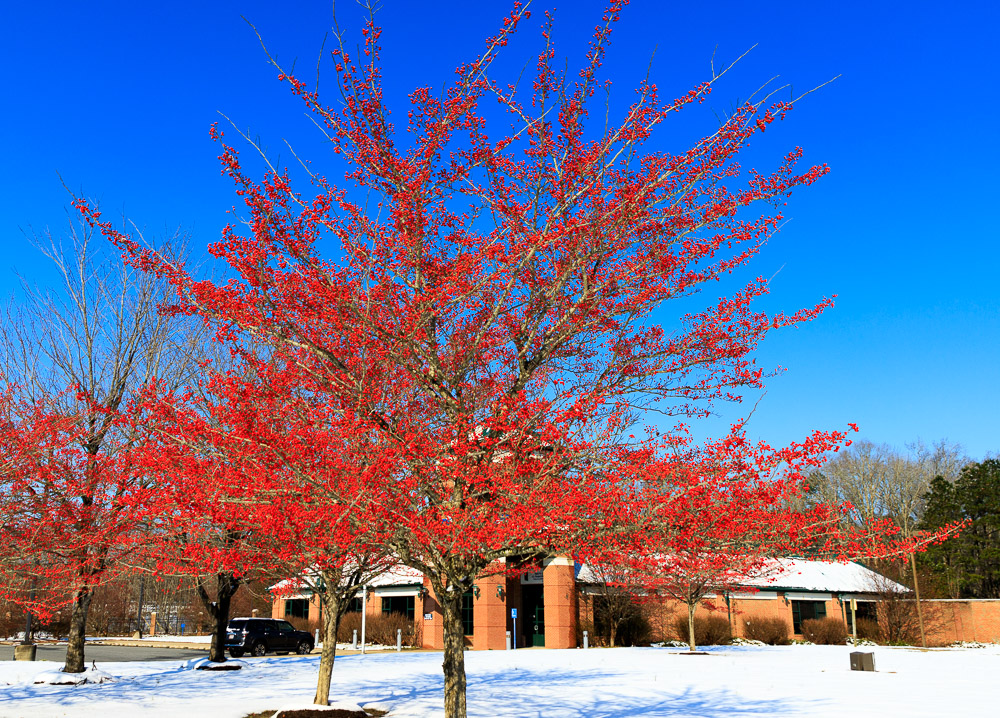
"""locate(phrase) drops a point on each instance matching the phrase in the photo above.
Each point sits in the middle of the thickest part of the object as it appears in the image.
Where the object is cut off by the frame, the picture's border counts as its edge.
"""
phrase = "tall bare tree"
(881, 482)
(79, 350)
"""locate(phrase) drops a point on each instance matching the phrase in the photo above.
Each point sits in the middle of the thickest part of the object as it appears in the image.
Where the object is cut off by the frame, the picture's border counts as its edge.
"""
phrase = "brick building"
(548, 608)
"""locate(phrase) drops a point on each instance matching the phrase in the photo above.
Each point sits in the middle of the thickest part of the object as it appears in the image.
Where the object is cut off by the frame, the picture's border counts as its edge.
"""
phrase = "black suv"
(261, 635)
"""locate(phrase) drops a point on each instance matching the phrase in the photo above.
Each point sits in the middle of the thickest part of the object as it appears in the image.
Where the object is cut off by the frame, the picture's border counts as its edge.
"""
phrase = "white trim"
(809, 596)
(759, 596)
(558, 561)
(395, 590)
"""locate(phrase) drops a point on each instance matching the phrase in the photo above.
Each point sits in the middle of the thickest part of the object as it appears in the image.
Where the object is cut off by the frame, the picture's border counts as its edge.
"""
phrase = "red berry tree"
(497, 317)
(255, 476)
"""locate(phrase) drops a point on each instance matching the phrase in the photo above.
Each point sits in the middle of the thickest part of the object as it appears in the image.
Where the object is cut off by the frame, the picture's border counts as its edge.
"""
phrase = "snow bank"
(58, 678)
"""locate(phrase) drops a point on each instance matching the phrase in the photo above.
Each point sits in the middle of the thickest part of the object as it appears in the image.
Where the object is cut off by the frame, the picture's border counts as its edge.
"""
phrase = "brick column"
(432, 631)
(560, 602)
(489, 615)
(315, 611)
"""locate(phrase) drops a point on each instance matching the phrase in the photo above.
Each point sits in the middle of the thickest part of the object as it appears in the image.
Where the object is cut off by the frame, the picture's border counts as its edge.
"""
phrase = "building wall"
(951, 621)
(569, 610)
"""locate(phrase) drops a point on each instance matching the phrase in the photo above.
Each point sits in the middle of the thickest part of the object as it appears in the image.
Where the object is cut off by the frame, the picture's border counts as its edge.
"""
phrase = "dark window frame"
(816, 610)
(391, 604)
(296, 608)
(468, 613)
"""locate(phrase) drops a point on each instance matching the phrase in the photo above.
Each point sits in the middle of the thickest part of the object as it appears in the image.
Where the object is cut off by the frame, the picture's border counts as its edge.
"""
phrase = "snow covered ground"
(730, 681)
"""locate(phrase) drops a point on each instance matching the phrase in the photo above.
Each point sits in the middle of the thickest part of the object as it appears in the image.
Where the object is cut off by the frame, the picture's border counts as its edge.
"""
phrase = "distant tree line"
(923, 488)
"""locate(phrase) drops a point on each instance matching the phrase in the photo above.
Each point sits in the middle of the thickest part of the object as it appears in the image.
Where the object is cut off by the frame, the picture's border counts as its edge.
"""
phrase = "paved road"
(106, 654)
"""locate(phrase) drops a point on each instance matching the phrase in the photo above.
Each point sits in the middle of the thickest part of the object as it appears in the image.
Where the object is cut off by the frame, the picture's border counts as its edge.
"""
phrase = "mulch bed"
(310, 713)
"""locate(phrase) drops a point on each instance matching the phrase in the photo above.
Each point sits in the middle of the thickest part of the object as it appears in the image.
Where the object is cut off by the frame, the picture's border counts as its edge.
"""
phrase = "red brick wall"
(560, 600)
(952, 621)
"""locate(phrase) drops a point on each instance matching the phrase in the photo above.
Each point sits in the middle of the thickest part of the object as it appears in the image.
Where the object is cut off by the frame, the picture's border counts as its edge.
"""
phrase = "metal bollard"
(508, 640)
(354, 641)
(399, 640)
(316, 638)
(586, 641)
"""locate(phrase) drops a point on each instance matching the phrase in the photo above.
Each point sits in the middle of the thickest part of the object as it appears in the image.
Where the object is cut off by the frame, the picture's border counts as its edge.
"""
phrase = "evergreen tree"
(969, 563)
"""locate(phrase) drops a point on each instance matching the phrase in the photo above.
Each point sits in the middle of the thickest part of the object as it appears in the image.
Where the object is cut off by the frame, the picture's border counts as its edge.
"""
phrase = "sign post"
(513, 617)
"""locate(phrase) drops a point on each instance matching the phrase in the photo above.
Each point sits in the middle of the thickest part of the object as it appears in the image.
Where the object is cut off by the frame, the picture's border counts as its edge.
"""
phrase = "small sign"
(428, 616)
(513, 613)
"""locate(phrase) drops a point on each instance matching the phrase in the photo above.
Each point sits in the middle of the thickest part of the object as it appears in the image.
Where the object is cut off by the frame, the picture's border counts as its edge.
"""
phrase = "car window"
(237, 625)
(285, 626)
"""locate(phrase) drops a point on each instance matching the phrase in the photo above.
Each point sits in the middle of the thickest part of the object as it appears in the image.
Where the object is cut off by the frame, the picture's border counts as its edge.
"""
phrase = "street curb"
(152, 644)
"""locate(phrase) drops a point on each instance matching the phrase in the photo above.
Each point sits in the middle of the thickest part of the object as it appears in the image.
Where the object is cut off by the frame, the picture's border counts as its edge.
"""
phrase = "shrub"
(625, 615)
(708, 630)
(772, 630)
(304, 624)
(825, 631)
(380, 628)
(868, 628)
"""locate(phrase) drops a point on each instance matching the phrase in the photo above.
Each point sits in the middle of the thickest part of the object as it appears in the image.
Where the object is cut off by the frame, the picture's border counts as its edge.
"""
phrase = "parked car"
(258, 636)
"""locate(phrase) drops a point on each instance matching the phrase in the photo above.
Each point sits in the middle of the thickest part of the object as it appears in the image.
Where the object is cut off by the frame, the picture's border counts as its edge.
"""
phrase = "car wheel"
(304, 648)
(259, 649)
(235, 652)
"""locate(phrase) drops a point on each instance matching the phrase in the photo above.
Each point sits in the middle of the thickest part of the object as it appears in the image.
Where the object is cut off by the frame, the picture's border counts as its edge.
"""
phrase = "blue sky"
(117, 98)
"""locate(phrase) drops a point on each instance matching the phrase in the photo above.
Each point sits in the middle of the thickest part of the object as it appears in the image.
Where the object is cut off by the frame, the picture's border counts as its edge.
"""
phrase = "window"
(297, 608)
(355, 606)
(398, 604)
(284, 626)
(468, 625)
(805, 611)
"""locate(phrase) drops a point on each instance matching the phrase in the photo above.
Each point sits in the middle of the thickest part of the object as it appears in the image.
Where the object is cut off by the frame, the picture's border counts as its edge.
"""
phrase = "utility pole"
(916, 590)
(142, 595)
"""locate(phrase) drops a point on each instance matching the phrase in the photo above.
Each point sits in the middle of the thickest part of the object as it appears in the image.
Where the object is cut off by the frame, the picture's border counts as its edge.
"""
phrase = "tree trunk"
(454, 654)
(611, 640)
(226, 587)
(77, 630)
(331, 622)
(691, 643)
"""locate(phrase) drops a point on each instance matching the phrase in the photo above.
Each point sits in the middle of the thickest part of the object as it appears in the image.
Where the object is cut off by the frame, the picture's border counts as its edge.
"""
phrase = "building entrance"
(533, 601)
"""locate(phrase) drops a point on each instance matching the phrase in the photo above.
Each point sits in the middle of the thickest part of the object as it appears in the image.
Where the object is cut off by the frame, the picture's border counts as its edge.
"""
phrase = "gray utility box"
(862, 661)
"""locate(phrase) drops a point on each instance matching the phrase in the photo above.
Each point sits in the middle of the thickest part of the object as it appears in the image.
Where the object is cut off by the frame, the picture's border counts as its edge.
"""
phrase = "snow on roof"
(398, 575)
(801, 575)
(806, 575)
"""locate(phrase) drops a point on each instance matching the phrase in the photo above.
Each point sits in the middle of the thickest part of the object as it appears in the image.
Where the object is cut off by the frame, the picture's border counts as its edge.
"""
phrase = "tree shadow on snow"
(595, 694)
(527, 693)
